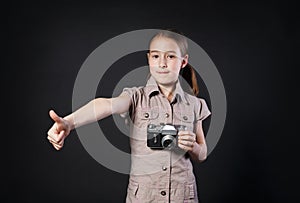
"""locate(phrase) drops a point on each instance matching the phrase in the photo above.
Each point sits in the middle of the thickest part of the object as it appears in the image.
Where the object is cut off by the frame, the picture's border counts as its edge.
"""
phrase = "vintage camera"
(163, 136)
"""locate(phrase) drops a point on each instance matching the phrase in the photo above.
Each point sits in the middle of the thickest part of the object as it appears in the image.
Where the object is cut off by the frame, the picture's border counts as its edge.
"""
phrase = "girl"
(156, 175)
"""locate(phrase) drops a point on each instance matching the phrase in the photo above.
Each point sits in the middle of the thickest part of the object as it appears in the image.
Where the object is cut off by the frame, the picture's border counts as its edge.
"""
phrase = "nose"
(162, 62)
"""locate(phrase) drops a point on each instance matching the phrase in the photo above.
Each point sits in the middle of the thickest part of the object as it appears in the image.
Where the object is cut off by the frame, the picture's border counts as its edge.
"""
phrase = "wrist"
(70, 122)
(202, 153)
(199, 152)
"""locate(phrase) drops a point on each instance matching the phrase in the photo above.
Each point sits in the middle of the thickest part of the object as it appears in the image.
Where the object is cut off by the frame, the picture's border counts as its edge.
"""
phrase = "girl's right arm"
(93, 111)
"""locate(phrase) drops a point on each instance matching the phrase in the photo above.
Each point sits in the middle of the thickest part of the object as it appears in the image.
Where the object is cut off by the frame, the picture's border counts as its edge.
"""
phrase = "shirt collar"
(152, 88)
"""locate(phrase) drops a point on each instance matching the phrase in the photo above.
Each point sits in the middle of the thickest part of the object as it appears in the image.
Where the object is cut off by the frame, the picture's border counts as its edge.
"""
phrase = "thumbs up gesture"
(59, 130)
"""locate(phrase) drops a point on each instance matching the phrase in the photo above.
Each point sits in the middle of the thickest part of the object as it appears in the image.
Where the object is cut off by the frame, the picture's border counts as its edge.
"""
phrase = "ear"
(185, 61)
(148, 56)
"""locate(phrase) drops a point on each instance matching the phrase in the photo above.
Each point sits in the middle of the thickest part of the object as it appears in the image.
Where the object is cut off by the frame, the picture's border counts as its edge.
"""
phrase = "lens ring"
(168, 141)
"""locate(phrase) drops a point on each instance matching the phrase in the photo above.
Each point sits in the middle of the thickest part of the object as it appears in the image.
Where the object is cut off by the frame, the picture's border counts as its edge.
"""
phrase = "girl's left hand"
(186, 140)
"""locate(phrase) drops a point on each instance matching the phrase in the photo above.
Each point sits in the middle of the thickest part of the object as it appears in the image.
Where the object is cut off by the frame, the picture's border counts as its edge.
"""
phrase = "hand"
(186, 140)
(59, 131)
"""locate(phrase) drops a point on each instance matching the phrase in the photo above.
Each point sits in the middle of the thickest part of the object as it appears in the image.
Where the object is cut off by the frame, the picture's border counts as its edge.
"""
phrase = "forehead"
(164, 44)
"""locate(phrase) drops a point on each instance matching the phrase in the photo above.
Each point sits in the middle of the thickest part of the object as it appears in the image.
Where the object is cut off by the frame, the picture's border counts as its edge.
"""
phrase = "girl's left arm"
(199, 150)
(194, 143)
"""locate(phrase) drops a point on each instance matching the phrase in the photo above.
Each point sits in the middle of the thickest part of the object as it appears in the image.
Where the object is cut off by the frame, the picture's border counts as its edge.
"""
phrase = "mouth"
(162, 72)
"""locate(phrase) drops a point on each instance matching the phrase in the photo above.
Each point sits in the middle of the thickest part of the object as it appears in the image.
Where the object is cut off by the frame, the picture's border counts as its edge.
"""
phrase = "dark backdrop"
(253, 45)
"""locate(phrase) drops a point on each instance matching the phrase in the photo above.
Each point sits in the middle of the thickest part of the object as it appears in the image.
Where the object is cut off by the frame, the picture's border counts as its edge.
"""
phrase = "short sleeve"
(202, 110)
(129, 91)
(132, 93)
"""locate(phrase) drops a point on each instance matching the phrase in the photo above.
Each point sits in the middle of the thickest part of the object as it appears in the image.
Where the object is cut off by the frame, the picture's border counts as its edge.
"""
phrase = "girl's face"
(165, 60)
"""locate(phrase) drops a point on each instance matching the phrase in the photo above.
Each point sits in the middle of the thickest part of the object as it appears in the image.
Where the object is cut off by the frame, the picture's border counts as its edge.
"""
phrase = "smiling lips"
(162, 72)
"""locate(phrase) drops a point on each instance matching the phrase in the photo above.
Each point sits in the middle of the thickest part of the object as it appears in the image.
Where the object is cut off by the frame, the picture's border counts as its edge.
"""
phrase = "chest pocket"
(184, 118)
(144, 116)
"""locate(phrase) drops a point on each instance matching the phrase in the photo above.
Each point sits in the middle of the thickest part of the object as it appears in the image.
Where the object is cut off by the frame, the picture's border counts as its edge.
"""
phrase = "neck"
(167, 90)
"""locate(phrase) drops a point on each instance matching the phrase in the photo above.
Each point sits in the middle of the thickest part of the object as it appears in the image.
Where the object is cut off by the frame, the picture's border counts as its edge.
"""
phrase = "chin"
(165, 82)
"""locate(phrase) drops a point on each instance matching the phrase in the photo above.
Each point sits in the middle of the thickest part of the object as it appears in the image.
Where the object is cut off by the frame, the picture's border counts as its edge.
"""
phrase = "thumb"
(54, 116)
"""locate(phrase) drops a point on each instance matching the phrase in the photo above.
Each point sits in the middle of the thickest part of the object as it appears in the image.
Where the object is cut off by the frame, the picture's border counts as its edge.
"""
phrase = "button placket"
(166, 113)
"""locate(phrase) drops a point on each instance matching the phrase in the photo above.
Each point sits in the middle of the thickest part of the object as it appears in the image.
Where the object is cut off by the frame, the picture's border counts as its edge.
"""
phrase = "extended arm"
(96, 109)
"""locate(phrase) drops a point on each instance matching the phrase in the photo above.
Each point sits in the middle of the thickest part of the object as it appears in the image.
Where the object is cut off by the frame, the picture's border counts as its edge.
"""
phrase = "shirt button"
(146, 115)
(167, 115)
(164, 168)
(163, 193)
(185, 118)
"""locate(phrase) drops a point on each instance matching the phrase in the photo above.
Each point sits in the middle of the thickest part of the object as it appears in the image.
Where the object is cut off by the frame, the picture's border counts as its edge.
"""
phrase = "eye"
(155, 56)
(171, 56)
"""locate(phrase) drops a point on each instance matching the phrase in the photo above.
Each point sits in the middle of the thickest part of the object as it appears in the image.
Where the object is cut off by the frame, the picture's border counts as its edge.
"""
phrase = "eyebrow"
(151, 51)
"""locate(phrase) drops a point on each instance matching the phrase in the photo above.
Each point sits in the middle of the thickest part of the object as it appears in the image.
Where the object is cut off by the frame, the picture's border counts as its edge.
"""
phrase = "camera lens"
(168, 141)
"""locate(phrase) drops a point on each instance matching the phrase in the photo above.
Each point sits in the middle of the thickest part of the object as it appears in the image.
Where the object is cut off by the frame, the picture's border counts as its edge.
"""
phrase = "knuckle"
(49, 133)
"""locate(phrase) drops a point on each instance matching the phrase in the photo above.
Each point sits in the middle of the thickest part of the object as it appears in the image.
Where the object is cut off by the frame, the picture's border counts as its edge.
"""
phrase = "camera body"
(163, 136)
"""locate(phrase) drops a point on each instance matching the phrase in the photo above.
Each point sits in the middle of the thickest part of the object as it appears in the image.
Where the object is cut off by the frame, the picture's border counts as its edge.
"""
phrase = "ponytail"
(189, 74)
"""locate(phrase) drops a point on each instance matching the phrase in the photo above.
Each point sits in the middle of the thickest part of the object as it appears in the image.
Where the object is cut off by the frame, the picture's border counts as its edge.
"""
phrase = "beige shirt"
(161, 175)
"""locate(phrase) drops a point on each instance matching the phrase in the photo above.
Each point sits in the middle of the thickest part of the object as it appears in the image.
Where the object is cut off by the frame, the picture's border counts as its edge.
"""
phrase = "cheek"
(152, 63)
(175, 67)
(151, 69)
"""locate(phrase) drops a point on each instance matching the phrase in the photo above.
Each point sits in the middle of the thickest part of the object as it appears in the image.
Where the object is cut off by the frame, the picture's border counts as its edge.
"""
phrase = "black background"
(253, 45)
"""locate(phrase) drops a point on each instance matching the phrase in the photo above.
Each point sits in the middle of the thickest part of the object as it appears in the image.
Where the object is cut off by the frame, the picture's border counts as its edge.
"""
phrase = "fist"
(59, 130)
(186, 140)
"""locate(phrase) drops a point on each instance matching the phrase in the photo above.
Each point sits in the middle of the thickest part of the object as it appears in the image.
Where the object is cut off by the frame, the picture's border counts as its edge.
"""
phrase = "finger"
(181, 133)
(57, 132)
(61, 143)
(53, 135)
(52, 132)
(187, 137)
(51, 140)
(186, 148)
(60, 136)
(186, 143)
(55, 145)
(54, 116)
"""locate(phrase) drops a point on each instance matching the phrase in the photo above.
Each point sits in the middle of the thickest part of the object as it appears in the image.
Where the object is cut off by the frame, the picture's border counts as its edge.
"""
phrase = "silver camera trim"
(168, 137)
